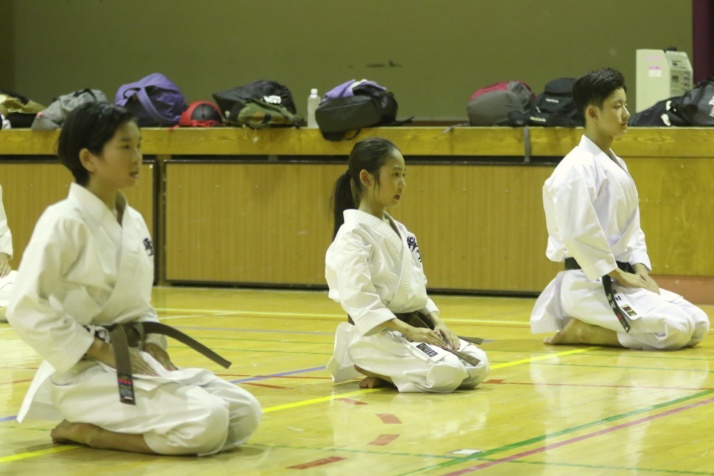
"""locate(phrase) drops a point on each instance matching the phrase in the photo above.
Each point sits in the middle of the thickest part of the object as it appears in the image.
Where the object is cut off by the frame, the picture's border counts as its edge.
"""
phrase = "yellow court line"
(319, 400)
(32, 454)
(543, 357)
(370, 390)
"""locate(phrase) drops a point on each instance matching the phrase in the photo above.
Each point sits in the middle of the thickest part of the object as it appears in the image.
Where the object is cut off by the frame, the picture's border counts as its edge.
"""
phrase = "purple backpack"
(154, 100)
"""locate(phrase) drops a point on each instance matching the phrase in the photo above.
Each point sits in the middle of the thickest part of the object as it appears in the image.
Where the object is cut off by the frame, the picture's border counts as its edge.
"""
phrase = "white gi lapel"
(132, 245)
(406, 276)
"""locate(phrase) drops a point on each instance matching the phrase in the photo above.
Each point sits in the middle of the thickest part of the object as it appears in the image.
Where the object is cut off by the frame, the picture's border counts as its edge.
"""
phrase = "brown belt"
(417, 319)
(128, 335)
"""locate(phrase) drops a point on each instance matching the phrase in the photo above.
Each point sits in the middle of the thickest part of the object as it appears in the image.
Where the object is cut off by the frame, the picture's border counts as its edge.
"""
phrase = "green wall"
(440, 51)
(7, 45)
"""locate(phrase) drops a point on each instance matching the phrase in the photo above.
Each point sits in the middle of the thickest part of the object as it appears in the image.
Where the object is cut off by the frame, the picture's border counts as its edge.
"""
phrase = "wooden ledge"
(414, 141)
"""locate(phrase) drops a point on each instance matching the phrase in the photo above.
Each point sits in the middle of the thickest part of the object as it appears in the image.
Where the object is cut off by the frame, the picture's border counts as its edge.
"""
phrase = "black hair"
(89, 126)
(368, 154)
(596, 86)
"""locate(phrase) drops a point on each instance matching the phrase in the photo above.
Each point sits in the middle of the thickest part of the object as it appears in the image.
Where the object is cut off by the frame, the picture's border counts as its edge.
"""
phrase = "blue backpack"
(154, 100)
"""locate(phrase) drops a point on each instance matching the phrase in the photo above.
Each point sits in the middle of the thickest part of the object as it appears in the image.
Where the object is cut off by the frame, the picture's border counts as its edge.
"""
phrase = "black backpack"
(369, 106)
(661, 114)
(554, 107)
(232, 101)
(696, 106)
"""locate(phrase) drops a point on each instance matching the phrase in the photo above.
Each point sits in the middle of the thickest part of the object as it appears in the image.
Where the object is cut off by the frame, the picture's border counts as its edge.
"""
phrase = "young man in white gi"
(606, 295)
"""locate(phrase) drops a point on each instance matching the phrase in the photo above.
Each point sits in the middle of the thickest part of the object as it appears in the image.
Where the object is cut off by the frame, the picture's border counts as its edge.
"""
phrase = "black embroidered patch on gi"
(426, 349)
(148, 247)
(413, 246)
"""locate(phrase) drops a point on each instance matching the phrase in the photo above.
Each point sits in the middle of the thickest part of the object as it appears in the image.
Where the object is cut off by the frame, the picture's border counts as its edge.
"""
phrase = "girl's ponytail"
(342, 200)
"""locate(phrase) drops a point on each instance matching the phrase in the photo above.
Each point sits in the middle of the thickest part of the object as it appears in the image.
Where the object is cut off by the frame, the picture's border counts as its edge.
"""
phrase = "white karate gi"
(592, 215)
(81, 268)
(5, 247)
(373, 273)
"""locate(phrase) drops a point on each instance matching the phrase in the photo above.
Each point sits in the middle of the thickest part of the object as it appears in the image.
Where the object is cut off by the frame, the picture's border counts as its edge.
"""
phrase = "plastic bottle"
(312, 102)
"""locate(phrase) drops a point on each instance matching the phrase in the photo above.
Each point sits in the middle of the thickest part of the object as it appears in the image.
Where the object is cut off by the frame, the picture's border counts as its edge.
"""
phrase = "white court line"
(223, 312)
(251, 313)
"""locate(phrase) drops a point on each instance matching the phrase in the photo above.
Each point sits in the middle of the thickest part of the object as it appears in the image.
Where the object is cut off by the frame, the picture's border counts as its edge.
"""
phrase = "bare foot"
(67, 433)
(578, 332)
(373, 380)
(95, 437)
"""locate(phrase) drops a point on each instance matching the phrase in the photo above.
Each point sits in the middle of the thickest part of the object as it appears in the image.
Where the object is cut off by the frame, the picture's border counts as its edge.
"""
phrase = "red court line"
(382, 440)
(352, 402)
(319, 462)
(578, 438)
(389, 419)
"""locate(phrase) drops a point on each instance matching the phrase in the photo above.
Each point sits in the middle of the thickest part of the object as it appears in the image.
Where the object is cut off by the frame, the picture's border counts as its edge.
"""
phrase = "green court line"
(566, 431)
(628, 367)
(658, 355)
(350, 450)
(618, 468)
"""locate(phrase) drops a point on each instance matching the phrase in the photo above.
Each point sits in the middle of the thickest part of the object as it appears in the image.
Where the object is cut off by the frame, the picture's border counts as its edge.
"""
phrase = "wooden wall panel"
(677, 213)
(30, 187)
(249, 223)
(479, 227)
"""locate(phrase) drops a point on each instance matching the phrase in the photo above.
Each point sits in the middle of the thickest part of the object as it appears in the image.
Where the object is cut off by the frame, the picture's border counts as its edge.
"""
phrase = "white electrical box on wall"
(661, 74)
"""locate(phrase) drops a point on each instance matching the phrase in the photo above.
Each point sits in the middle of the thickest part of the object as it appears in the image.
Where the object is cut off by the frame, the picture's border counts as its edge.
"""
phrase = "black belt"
(132, 334)
(417, 319)
(570, 263)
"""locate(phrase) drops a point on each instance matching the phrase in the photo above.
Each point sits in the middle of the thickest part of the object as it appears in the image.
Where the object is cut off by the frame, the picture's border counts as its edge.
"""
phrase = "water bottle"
(312, 102)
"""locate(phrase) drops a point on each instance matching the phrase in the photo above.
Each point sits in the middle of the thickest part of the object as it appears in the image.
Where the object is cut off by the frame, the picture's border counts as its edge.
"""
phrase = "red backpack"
(201, 114)
(500, 104)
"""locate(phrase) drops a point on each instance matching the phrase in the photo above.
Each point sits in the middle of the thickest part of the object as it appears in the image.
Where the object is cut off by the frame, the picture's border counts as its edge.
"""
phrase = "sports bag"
(696, 106)
(554, 107)
(154, 100)
(201, 114)
(232, 101)
(54, 115)
(258, 114)
(18, 110)
(497, 104)
(661, 114)
(354, 105)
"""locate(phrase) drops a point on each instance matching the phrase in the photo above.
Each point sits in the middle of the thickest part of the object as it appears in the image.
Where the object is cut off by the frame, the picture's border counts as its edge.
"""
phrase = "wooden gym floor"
(543, 411)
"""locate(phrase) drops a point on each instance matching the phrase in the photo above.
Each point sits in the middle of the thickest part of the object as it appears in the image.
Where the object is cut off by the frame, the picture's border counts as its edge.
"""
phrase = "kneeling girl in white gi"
(605, 296)
(374, 270)
(89, 264)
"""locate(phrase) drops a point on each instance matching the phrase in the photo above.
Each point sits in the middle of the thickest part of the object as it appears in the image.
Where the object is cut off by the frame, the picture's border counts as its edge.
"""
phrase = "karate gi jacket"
(374, 273)
(592, 214)
(81, 269)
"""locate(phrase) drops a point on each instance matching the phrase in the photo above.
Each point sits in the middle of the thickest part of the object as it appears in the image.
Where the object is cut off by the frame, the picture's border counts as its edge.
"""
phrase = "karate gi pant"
(388, 353)
(664, 321)
(197, 413)
(5, 290)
